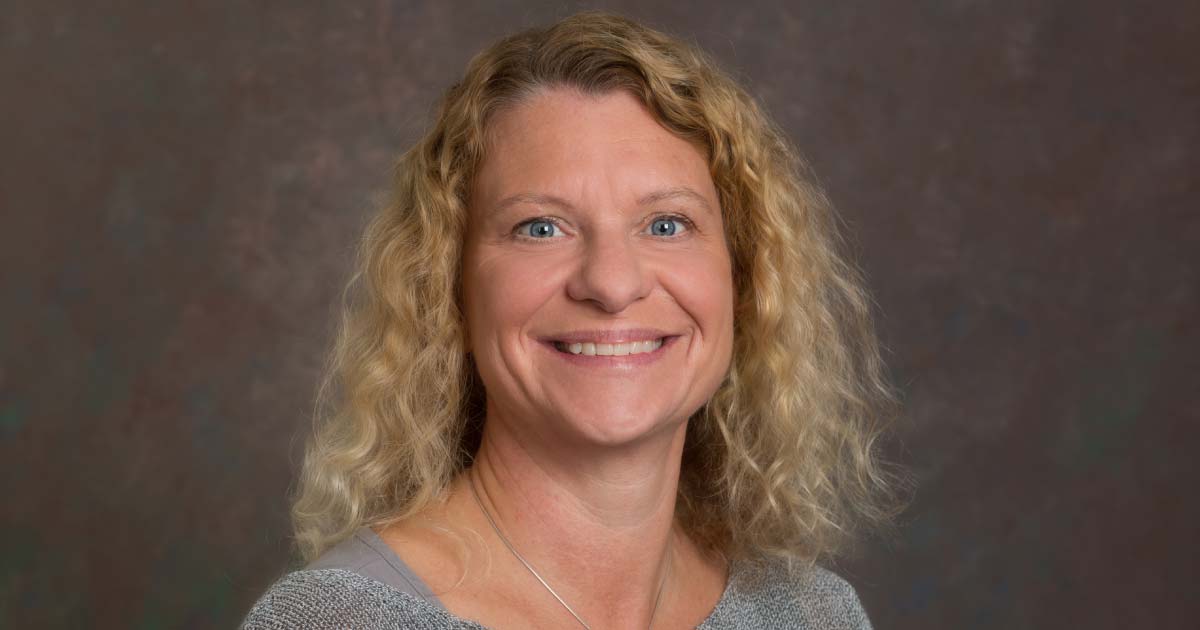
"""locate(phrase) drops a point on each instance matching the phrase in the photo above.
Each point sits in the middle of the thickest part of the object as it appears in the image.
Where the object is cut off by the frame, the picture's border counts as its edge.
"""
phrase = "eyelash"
(673, 217)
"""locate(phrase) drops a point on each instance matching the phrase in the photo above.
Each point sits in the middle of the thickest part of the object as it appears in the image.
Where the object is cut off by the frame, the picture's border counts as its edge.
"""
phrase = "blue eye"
(665, 226)
(539, 228)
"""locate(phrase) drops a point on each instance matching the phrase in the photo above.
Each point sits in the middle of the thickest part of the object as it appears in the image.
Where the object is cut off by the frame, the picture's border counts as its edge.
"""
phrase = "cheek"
(704, 286)
(503, 292)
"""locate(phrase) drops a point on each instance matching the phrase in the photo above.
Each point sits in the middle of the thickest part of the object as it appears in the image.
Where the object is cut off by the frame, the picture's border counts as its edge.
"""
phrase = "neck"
(595, 522)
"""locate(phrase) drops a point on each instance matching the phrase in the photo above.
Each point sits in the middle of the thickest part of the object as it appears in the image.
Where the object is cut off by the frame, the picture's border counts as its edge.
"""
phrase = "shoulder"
(768, 595)
(827, 600)
(338, 598)
(366, 554)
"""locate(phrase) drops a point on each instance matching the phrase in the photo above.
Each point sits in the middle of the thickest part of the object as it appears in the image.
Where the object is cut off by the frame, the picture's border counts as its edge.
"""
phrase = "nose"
(610, 274)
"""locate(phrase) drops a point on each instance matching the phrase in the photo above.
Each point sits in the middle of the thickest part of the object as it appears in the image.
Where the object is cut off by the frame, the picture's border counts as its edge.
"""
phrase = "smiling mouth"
(610, 349)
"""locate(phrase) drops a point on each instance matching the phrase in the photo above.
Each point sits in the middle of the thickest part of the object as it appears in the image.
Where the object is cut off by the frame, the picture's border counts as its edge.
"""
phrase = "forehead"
(563, 142)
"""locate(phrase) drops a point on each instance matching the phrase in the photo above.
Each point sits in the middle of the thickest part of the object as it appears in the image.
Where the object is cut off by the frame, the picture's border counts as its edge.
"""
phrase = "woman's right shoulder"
(339, 598)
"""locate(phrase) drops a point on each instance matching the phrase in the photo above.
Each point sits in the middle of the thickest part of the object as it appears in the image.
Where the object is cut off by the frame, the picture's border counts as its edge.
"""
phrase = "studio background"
(183, 185)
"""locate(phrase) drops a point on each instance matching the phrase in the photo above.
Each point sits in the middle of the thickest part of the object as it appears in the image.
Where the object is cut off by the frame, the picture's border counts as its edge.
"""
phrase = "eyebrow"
(676, 192)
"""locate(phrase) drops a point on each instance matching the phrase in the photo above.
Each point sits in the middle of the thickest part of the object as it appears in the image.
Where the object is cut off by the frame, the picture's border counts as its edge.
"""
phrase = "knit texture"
(755, 598)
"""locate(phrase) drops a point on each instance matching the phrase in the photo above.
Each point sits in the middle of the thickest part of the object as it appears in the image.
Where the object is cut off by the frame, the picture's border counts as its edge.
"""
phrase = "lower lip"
(627, 361)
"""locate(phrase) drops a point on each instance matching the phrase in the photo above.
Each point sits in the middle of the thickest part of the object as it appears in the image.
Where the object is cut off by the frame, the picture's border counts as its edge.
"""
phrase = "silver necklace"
(657, 598)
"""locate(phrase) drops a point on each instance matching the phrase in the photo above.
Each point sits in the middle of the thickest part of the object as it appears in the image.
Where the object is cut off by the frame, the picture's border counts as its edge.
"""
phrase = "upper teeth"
(610, 349)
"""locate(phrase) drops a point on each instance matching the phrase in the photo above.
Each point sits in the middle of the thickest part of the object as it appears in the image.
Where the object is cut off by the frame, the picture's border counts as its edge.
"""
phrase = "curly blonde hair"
(783, 459)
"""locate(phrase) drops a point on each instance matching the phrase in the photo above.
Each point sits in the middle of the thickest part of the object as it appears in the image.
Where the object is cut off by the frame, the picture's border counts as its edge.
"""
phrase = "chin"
(621, 430)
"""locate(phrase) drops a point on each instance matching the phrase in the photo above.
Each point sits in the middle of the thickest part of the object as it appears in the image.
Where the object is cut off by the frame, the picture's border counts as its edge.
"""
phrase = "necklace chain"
(496, 528)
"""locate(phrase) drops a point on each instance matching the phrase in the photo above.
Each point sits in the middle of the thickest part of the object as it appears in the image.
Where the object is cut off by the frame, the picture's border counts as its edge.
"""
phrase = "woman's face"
(595, 235)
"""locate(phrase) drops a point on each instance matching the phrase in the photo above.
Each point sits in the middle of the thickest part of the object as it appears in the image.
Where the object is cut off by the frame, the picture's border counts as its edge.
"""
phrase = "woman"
(605, 368)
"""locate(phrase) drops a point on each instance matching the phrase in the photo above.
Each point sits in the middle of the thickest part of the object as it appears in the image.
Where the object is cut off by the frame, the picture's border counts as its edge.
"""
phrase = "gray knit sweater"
(361, 583)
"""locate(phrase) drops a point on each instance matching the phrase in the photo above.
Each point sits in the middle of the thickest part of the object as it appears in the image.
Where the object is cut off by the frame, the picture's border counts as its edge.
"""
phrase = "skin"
(579, 465)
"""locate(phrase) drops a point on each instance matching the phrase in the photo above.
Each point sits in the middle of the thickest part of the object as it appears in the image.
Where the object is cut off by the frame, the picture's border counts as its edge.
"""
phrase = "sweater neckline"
(427, 597)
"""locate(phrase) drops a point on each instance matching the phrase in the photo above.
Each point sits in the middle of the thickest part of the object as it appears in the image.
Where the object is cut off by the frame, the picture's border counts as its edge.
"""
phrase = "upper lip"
(623, 335)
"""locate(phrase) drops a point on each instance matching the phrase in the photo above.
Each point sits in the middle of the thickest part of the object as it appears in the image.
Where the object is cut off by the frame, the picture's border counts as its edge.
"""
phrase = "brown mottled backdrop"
(182, 189)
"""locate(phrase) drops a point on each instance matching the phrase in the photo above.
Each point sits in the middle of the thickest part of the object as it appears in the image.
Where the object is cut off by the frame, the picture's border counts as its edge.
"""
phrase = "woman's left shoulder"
(827, 597)
(768, 595)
